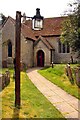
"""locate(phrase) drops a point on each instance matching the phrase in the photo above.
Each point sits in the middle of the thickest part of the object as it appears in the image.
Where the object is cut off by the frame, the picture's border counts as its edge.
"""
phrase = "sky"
(48, 8)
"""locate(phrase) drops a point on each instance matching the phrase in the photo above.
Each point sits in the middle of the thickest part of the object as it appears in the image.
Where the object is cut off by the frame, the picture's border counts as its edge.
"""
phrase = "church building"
(38, 47)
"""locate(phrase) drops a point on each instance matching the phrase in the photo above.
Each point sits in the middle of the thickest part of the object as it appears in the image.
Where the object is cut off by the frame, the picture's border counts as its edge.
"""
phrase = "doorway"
(40, 58)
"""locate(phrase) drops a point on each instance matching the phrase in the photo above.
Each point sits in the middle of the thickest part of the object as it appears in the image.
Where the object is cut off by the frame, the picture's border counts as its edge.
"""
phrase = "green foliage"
(33, 103)
(3, 18)
(71, 29)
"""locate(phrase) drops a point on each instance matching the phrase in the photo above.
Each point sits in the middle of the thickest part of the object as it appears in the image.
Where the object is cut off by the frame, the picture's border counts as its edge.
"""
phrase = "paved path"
(65, 103)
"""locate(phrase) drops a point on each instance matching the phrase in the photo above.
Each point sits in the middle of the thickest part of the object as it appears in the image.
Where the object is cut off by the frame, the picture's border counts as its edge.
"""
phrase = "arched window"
(64, 51)
(9, 49)
(59, 47)
(68, 48)
(63, 47)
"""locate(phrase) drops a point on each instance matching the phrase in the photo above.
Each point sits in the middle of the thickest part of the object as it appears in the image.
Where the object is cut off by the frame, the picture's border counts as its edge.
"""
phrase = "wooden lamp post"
(37, 24)
(17, 58)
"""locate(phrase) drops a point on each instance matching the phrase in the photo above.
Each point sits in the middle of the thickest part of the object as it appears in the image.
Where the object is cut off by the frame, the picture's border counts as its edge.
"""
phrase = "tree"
(71, 28)
(3, 18)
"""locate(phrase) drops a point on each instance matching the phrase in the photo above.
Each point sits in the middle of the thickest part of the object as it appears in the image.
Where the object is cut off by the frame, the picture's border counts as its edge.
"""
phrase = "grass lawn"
(57, 76)
(33, 103)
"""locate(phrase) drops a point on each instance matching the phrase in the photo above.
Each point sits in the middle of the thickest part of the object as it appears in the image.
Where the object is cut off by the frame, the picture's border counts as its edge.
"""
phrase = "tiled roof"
(51, 26)
(27, 32)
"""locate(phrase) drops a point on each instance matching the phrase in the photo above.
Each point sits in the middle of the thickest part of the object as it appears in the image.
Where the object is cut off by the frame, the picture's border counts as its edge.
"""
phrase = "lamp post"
(17, 58)
(37, 22)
